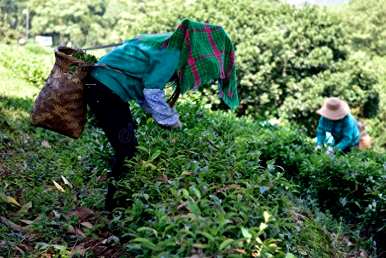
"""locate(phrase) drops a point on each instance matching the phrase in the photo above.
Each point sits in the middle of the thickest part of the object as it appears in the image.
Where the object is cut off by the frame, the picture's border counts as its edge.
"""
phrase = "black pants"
(113, 115)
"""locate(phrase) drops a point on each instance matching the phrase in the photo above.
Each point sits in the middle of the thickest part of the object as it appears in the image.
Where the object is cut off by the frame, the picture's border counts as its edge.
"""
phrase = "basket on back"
(60, 105)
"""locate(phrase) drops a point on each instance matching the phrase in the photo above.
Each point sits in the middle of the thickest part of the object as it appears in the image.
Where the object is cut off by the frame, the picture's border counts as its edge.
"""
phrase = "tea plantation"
(223, 186)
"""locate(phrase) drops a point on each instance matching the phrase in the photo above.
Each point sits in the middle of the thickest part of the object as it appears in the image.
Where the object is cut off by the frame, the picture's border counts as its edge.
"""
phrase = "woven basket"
(60, 105)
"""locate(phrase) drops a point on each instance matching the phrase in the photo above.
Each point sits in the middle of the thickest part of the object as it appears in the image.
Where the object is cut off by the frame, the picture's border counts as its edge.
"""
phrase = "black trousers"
(113, 115)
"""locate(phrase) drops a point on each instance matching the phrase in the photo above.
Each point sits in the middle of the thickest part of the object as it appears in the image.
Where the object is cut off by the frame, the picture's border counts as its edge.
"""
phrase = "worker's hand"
(318, 148)
(177, 125)
(330, 151)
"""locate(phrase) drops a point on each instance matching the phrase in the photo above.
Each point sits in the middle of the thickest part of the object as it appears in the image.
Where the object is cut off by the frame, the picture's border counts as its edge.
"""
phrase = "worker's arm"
(156, 105)
(348, 132)
(321, 132)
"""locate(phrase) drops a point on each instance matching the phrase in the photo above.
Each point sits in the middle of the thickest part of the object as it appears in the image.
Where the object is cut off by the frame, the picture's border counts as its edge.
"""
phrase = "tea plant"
(222, 186)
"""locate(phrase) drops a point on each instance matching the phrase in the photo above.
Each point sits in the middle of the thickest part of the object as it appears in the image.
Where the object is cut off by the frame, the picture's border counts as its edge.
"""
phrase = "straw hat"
(334, 109)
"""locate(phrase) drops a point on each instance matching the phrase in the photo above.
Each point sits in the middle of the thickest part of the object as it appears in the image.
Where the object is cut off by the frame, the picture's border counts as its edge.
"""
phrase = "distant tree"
(12, 19)
(367, 20)
(288, 58)
(78, 22)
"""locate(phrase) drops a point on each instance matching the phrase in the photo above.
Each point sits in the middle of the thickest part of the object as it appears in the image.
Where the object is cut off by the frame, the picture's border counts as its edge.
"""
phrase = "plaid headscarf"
(206, 54)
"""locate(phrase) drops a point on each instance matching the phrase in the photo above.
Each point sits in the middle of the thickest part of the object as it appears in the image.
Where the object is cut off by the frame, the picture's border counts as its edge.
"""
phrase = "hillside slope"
(221, 186)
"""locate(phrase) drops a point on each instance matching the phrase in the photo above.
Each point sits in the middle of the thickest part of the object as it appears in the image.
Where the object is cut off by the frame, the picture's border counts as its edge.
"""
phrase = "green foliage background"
(367, 23)
(288, 58)
(222, 186)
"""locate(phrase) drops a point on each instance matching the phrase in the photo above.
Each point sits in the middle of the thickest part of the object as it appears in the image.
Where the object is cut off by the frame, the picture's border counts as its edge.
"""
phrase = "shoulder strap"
(103, 46)
(109, 67)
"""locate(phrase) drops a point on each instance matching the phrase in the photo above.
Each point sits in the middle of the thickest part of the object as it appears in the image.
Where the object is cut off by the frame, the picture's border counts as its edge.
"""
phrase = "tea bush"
(220, 165)
(217, 187)
(221, 186)
(31, 63)
(349, 186)
(367, 23)
(197, 191)
(376, 126)
(206, 194)
(353, 80)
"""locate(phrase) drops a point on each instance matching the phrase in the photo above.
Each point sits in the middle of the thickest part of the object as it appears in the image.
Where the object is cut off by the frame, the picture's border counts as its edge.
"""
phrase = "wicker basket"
(60, 105)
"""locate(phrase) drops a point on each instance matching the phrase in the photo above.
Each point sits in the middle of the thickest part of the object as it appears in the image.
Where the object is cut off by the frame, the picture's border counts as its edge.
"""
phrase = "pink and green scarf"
(206, 54)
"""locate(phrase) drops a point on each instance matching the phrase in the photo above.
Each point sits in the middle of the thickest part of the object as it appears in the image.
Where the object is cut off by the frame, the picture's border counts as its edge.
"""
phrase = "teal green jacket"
(134, 67)
(345, 132)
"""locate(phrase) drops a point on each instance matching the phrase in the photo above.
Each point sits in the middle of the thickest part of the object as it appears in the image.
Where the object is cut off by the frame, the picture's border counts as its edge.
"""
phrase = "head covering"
(206, 54)
(334, 109)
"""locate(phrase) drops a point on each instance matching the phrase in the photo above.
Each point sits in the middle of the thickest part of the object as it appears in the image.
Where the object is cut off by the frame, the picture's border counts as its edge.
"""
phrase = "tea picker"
(195, 54)
(337, 128)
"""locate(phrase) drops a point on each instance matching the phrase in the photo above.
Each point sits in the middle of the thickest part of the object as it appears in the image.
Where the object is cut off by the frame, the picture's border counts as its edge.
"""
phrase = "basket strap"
(102, 46)
(109, 67)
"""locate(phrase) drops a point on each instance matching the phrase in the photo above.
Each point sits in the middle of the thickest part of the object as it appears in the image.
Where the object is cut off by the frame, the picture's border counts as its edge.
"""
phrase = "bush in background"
(31, 63)
(288, 59)
(367, 23)
(348, 186)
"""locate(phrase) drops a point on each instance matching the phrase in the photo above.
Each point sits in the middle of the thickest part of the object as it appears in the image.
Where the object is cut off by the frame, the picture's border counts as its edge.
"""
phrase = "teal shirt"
(345, 132)
(142, 67)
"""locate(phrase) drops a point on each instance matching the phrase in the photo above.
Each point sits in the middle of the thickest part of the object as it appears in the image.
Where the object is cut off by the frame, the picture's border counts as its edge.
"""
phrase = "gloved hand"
(330, 151)
(318, 148)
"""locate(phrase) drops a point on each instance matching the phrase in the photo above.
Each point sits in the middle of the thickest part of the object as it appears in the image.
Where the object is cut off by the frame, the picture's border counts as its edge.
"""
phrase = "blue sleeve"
(320, 132)
(156, 105)
(144, 105)
(346, 140)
